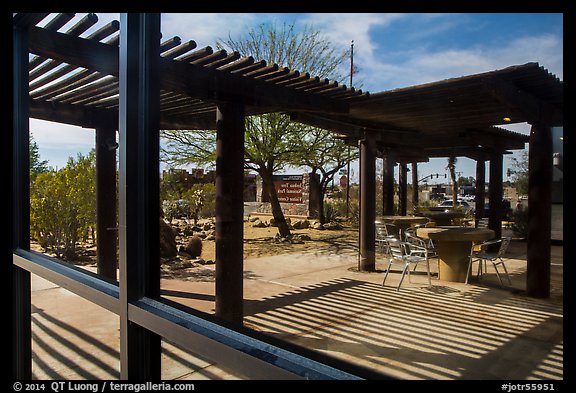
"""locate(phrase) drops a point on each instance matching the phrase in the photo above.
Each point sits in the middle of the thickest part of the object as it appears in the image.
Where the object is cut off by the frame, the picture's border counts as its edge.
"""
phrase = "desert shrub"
(330, 212)
(194, 246)
(63, 206)
(520, 222)
(207, 208)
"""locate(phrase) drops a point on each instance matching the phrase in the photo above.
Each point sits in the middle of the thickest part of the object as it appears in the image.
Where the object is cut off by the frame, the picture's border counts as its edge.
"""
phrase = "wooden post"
(495, 193)
(367, 260)
(539, 210)
(388, 186)
(415, 193)
(106, 205)
(139, 189)
(480, 189)
(402, 188)
(229, 212)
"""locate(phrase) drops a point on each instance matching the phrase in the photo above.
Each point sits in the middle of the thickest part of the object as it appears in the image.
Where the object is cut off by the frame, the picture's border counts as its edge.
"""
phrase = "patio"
(447, 332)
(144, 85)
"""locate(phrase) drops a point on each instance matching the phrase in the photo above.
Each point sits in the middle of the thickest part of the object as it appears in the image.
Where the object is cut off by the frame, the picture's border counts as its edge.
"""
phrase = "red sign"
(343, 181)
(288, 188)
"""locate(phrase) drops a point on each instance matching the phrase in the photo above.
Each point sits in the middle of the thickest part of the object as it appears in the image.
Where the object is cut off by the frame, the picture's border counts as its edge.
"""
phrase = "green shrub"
(63, 206)
(330, 212)
(520, 222)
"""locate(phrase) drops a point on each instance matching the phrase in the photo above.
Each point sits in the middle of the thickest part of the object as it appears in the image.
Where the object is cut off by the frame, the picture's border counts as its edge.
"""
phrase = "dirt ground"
(258, 242)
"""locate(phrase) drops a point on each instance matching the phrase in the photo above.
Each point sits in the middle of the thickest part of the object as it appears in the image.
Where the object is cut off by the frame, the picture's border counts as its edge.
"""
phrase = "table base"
(454, 258)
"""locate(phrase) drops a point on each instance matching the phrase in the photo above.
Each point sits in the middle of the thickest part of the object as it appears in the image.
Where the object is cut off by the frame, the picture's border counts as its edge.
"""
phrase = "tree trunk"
(268, 183)
(317, 196)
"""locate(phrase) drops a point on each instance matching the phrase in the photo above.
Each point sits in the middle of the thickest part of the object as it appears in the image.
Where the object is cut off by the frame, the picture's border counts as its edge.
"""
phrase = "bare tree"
(271, 140)
(325, 155)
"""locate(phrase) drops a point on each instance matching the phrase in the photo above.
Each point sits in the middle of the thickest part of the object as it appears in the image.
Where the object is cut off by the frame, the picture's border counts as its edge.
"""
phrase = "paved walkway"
(448, 331)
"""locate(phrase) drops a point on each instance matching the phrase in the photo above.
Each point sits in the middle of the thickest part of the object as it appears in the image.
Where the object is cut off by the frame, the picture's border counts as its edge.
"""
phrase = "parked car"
(506, 209)
(450, 204)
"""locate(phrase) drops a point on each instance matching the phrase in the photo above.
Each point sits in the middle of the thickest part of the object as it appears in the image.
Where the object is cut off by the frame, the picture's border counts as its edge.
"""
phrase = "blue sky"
(390, 51)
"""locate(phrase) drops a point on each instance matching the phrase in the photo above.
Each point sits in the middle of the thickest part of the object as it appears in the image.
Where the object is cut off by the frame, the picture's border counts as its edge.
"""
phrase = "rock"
(318, 225)
(332, 226)
(273, 221)
(168, 248)
(188, 231)
(252, 219)
(259, 224)
(210, 237)
(301, 224)
(296, 239)
(194, 246)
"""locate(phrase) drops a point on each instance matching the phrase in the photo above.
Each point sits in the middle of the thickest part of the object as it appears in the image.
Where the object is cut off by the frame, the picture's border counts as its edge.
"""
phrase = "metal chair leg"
(406, 269)
(387, 271)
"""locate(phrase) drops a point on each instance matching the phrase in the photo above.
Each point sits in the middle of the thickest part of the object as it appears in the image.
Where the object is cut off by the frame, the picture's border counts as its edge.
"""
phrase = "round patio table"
(454, 245)
(442, 216)
(401, 222)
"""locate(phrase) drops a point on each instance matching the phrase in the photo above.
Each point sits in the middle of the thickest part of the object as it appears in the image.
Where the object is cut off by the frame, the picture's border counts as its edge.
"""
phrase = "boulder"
(332, 226)
(259, 224)
(301, 224)
(168, 248)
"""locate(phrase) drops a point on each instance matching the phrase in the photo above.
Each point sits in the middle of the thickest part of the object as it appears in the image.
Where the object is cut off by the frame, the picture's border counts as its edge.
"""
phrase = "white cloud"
(426, 65)
(344, 27)
(57, 142)
(205, 28)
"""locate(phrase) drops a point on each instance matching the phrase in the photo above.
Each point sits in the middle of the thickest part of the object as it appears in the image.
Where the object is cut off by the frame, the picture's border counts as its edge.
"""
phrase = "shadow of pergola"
(420, 333)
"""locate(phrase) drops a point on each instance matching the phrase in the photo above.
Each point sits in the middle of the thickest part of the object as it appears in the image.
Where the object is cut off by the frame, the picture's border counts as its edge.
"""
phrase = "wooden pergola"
(457, 117)
(124, 78)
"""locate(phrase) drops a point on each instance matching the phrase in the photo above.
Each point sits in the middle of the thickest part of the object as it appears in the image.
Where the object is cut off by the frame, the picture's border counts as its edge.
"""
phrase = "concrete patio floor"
(449, 331)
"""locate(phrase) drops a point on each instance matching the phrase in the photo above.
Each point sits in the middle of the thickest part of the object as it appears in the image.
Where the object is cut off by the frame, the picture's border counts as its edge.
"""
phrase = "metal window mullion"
(249, 356)
(76, 280)
(21, 284)
(139, 104)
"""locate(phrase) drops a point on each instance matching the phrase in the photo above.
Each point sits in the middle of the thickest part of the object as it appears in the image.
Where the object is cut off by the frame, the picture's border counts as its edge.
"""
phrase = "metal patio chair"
(406, 254)
(430, 245)
(480, 253)
(381, 236)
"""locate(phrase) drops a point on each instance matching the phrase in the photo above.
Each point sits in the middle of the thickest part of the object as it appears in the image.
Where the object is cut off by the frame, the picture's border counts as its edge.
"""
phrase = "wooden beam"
(74, 50)
(515, 98)
(350, 124)
(494, 141)
(77, 115)
(193, 80)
